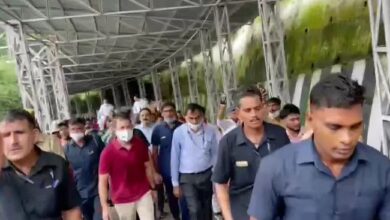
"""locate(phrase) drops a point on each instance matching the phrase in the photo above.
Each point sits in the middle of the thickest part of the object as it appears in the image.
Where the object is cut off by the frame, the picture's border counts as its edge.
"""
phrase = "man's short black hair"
(122, 115)
(63, 124)
(251, 91)
(337, 91)
(287, 110)
(274, 100)
(146, 109)
(20, 115)
(77, 121)
(168, 104)
(193, 107)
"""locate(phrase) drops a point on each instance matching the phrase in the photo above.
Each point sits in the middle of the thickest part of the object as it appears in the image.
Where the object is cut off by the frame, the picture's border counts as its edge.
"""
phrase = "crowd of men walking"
(256, 163)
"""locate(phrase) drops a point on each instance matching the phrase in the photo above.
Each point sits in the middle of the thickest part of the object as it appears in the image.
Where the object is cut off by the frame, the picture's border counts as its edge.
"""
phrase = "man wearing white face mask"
(193, 155)
(125, 164)
(83, 153)
(274, 105)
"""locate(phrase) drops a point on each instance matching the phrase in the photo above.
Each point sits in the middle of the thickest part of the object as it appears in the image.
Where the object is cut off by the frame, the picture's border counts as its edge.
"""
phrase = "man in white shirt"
(106, 109)
(146, 125)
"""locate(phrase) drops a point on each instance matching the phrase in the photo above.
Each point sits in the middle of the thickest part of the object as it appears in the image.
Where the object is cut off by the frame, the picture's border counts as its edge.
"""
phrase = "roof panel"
(112, 36)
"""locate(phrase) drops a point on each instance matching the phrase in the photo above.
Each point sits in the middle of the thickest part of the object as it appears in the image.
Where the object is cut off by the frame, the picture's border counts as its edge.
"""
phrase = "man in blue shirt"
(194, 152)
(331, 176)
(83, 153)
(162, 143)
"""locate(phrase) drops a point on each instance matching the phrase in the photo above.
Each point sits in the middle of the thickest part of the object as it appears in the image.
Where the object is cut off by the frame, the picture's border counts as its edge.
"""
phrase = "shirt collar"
(201, 130)
(308, 154)
(117, 144)
(86, 138)
(44, 160)
(175, 124)
(241, 138)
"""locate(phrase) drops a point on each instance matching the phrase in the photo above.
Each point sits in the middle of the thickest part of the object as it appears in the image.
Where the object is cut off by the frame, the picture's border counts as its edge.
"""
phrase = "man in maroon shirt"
(125, 164)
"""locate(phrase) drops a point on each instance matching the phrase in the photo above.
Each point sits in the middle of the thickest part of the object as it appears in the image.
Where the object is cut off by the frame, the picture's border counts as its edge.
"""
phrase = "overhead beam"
(232, 2)
(112, 52)
(101, 71)
(118, 36)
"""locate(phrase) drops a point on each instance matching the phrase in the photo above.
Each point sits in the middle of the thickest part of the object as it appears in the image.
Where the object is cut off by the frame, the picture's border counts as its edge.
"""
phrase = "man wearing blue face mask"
(126, 166)
(193, 155)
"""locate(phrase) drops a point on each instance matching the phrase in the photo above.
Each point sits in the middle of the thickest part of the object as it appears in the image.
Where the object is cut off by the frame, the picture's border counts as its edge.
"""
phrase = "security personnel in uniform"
(331, 176)
(240, 152)
(41, 183)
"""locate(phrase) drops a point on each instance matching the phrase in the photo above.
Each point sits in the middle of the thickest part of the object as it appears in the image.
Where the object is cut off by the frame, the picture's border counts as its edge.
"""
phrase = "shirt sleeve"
(100, 143)
(138, 133)
(144, 154)
(70, 196)
(214, 147)
(155, 137)
(222, 168)
(104, 163)
(384, 211)
(265, 200)
(175, 158)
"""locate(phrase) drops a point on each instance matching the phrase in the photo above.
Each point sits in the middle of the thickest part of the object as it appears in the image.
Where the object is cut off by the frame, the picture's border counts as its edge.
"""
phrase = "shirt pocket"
(243, 173)
(367, 201)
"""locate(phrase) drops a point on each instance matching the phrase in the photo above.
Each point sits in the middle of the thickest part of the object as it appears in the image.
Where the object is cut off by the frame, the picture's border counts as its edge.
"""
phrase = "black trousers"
(198, 191)
(91, 209)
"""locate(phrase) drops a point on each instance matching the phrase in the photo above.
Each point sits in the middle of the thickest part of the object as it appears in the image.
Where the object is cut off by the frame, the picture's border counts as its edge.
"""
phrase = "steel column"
(273, 47)
(380, 34)
(78, 109)
(210, 81)
(115, 96)
(175, 84)
(18, 49)
(222, 26)
(141, 87)
(192, 76)
(156, 86)
(60, 88)
(126, 92)
(89, 104)
(42, 84)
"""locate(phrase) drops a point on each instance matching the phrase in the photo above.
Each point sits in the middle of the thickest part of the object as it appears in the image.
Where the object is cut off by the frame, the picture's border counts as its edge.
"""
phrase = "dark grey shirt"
(294, 184)
(238, 161)
(44, 194)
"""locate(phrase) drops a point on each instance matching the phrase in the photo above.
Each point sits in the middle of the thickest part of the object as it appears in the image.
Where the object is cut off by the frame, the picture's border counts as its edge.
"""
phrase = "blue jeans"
(91, 208)
(173, 202)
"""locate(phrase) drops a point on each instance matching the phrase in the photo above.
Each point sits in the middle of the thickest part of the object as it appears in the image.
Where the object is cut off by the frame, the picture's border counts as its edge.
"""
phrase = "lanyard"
(190, 133)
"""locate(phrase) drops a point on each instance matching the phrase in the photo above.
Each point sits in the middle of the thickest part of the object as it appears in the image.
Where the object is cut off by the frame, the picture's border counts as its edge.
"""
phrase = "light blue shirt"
(192, 152)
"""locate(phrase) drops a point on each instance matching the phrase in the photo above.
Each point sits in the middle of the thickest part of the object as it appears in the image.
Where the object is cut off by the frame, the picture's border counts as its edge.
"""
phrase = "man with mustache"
(240, 152)
(332, 175)
(41, 183)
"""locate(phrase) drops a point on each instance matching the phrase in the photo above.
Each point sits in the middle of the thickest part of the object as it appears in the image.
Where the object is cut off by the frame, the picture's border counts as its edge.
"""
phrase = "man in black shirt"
(40, 183)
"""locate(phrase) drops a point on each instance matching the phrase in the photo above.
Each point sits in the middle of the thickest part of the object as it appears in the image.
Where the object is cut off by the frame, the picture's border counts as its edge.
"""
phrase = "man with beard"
(291, 119)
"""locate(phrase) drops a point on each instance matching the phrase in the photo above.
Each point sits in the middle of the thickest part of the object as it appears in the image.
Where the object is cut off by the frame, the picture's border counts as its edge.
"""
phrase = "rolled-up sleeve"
(264, 202)
(222, 168)
(175, 158)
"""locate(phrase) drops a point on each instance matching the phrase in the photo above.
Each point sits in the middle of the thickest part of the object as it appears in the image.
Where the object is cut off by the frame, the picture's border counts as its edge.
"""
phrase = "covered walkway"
(64, 47)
